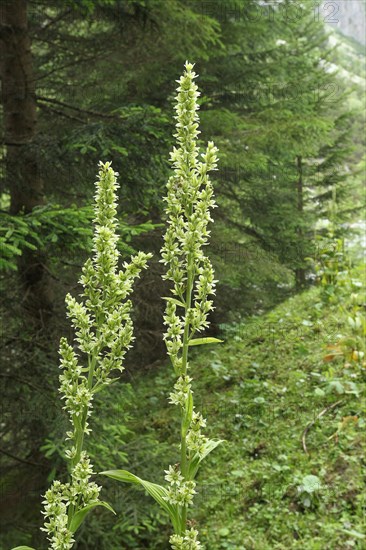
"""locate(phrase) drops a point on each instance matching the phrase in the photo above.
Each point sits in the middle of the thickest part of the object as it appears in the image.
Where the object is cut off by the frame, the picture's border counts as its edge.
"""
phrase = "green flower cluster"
(182, 389)
(186, 542)
(103, 333)
(180, 492)
(189, 201)
(196, 442)
(56, 511)
(79, 493)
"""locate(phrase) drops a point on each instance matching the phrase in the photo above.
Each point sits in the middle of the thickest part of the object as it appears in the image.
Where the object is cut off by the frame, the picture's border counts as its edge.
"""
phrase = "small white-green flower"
(173, 476)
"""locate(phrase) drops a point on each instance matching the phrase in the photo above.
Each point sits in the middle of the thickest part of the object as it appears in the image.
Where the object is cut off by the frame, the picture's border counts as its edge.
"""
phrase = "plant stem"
(183, 445)
(81, 431)
(184, 520)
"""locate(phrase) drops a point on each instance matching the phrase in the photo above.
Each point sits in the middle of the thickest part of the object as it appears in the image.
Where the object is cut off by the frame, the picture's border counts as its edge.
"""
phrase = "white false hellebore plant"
(188, 203)
(103, 334)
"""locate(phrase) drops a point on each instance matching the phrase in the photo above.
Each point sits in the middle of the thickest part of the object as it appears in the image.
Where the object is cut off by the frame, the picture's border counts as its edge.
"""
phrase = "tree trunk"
(23, 178)
(300, 271)
(24, 184)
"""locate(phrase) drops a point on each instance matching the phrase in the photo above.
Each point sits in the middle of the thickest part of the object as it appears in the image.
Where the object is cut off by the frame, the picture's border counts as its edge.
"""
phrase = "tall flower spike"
(189, 202)
(103, 333)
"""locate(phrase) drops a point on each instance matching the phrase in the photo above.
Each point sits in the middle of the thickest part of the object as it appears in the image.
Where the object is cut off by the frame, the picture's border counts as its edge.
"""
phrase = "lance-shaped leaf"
(200, 341)
(174, 301)
(197, 459)
(187, 419)
(23, 548)
(81, 514)
(158, 493)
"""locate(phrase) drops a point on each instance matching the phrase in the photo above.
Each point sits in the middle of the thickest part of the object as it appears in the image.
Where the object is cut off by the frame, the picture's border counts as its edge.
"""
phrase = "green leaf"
(121, 150)
(174, 301)
(23, 548)
(13, 249)
(354, 533)
(311, 484)
(200, 341)
(197, 459)
(81, 514)
(156, 491)
(29, 245)
(101, 385)
(188, 414)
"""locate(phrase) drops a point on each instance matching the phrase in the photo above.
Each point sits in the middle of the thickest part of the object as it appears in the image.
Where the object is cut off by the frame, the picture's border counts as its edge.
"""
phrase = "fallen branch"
(22, 460)
(322, 413)
(78, 109)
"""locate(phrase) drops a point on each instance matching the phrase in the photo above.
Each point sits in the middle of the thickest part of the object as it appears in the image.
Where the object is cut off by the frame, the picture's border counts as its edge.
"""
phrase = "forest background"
(282, 96)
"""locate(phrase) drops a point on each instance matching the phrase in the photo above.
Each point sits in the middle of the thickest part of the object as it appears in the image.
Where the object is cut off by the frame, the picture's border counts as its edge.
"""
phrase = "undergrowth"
(264, 391)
